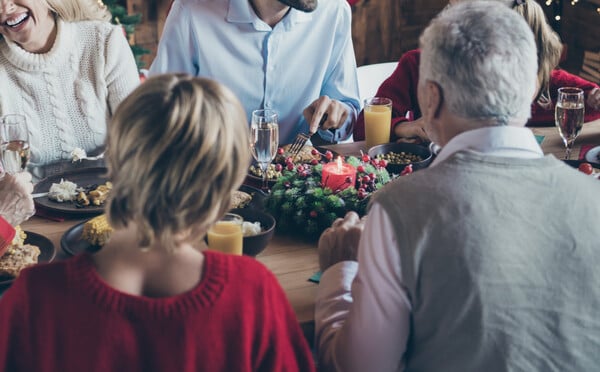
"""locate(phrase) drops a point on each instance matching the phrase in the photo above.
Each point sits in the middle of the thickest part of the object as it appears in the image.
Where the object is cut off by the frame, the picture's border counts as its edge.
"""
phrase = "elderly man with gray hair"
(487, 260)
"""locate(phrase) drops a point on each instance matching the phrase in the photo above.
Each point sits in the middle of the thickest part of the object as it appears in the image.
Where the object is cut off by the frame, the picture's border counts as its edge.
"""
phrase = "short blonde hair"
(79, 10)
(549, 46)
(177, 148)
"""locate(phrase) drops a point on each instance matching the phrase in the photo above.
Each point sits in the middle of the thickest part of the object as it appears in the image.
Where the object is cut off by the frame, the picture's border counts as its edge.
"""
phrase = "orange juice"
(226, 237)
(378, 119)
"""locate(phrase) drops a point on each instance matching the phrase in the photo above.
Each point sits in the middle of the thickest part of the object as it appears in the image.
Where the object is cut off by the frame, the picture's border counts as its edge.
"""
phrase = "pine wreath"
(302, 206)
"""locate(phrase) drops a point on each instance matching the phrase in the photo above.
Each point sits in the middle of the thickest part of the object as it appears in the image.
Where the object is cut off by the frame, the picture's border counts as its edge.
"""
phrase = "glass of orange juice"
(378, 119)
(226, 234)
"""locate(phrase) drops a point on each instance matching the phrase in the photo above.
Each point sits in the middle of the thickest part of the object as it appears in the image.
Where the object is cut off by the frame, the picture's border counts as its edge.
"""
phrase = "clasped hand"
(340, 241)
(16, 202)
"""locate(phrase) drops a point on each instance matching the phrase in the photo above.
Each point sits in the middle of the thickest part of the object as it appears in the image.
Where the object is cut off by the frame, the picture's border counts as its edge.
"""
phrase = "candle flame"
(339, 164)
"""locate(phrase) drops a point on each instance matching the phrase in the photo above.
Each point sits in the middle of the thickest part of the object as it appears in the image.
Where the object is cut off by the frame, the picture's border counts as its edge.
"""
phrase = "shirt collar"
(506, 141)
(240, 11)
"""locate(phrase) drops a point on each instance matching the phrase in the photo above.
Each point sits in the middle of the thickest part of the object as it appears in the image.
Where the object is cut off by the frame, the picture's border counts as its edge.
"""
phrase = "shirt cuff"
(338, 276)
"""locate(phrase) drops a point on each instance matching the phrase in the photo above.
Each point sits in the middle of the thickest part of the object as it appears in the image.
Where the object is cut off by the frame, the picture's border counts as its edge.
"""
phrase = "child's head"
(549, 46)
(178, 147)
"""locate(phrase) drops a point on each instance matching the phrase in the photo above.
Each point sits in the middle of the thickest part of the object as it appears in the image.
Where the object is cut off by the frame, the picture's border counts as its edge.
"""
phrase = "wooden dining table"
(294, 261)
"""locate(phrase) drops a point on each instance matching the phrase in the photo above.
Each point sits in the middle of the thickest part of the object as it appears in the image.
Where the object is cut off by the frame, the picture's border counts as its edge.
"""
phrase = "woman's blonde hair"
(79, 10)
(549, 46)
(177, 148)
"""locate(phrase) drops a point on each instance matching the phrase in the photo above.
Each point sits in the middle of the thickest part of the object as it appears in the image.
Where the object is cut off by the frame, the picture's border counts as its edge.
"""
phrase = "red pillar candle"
(338, 175)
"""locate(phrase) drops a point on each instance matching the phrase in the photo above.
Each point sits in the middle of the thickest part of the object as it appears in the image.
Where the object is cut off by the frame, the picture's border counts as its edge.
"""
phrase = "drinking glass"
(378, 118)
(14, 143)
(264, 140)
(226, 235)
(569, 115)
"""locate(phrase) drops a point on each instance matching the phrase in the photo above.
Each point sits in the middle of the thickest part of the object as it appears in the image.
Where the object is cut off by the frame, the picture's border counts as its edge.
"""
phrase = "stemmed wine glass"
(264, 140)
(14, 143)
(568, 115)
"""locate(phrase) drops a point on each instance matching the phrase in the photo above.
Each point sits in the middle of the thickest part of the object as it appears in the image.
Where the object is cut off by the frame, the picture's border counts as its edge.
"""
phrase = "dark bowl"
(409, 148)
(253, 245)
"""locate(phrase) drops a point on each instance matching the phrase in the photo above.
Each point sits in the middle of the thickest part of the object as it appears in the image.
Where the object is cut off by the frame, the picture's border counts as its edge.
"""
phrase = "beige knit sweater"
(69, 93)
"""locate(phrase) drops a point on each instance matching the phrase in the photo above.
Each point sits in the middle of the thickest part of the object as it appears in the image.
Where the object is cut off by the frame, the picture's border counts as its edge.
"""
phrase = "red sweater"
(401, 88)
(63, 317)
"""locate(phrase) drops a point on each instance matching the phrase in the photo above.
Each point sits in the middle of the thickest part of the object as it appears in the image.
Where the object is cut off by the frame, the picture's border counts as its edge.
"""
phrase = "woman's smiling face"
(29, 23)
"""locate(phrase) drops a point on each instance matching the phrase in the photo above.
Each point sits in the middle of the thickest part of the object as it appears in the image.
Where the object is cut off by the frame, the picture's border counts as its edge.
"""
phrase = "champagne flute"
(568, 115)
(264, 140)
(14, 143)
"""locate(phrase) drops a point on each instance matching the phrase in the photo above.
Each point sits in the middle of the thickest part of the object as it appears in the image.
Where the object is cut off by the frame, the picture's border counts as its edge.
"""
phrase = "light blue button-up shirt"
(285, 68)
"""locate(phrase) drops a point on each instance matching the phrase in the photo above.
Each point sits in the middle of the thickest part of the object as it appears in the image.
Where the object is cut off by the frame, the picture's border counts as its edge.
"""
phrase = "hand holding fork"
(323, 113)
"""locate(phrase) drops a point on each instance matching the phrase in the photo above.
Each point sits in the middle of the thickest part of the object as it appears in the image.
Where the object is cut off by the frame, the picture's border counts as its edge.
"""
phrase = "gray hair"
(483, 56)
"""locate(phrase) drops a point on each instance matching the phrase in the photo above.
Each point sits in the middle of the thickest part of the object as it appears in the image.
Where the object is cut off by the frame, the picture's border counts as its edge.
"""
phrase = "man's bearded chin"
(302, 5)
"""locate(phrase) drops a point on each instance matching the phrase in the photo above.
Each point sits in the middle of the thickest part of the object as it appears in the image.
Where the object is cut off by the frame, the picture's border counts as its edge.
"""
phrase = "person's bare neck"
(269, 11)
(154, 272)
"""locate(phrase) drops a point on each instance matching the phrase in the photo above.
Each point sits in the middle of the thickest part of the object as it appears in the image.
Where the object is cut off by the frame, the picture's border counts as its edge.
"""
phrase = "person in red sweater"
(401, 86)
(153, 299)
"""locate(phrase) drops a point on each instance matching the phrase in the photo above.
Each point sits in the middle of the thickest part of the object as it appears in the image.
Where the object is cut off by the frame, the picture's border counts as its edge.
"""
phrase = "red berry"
(313, 214)
(289, 160)
(314, 162)
(362, 195)
(407, 170)
(278, 167)
(382, 163)
(314, 152)
(300, 168)
(361, 190)
(290, 166)
(586, 168)
(372, 176)
(280, 151)
(366, 179)
(360, 169)
(366, 158)
(329, 155)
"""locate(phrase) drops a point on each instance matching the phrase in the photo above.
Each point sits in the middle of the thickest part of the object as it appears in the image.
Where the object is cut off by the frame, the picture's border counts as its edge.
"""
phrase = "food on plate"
(97, 230)
(251, 228)
(78, 154)
(18, 256)
(273, 171)
(400, 157)
(306, 155)
(91, 195)
(63, 191)
(96, 196)
(240, 199)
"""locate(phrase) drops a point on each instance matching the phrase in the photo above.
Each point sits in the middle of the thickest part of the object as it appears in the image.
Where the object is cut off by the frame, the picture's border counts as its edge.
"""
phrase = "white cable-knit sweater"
(69, 93)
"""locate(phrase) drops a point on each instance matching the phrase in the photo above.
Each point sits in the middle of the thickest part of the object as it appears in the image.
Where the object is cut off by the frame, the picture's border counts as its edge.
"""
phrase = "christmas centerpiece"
(308, 197)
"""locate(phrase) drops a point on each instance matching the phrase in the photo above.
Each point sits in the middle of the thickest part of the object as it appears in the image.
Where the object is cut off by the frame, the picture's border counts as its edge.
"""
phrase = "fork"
(302, 138)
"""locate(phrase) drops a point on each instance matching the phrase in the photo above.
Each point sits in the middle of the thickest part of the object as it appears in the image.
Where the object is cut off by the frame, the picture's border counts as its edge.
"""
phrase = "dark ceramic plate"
(47, 252)
(72, 243)
(82, 177)
(258, 197)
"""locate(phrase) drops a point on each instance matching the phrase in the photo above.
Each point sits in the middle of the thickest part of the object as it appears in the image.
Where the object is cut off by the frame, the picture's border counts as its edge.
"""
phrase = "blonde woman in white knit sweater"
(66, 68)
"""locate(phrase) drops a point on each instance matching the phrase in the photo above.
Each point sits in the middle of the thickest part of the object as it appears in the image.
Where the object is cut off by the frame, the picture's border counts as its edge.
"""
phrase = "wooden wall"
(382, 30)
(580, 30)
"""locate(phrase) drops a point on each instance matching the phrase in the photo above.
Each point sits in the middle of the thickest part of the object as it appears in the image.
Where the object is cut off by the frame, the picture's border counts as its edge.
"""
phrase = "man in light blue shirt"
(288, 55)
